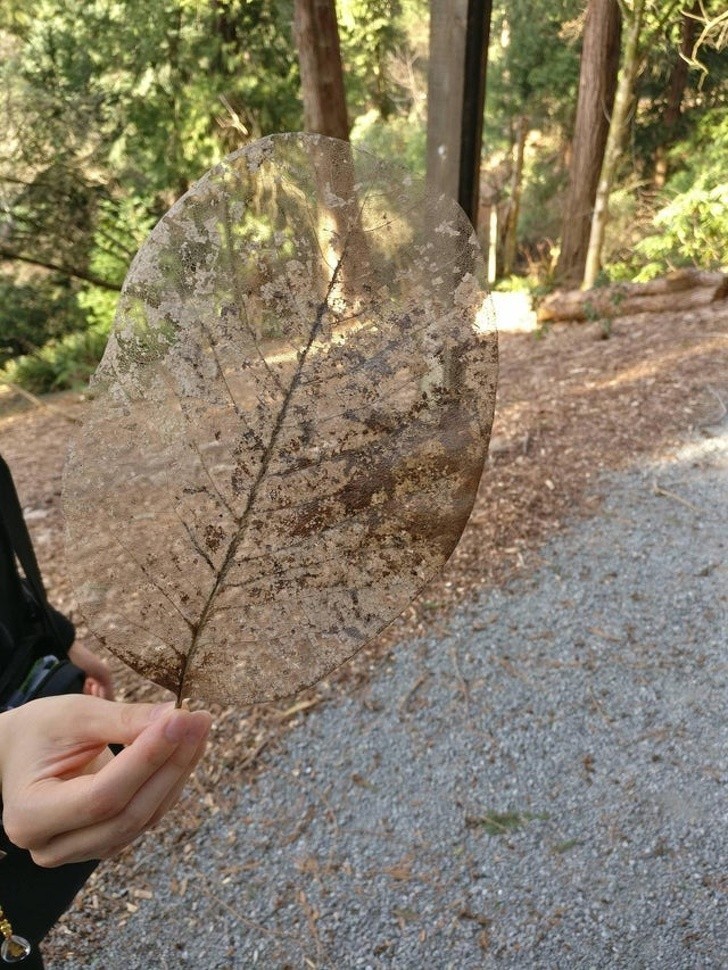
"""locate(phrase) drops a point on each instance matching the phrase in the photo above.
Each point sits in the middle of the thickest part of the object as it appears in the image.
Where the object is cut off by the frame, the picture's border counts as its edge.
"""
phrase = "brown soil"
(571, 407)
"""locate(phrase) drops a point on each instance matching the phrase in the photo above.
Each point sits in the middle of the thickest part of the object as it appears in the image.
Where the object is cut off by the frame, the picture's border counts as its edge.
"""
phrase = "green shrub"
(401, 140)
(99, 307)
(691, 231)
(65, 363)
(35, 312)
(688, 225)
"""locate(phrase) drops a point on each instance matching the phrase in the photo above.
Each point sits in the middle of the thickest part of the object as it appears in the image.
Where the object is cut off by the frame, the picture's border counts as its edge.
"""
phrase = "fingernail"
(196, 729)
(175, 730)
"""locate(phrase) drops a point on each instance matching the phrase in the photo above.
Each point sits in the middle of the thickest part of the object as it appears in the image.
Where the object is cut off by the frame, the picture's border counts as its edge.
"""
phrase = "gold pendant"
(14, 949)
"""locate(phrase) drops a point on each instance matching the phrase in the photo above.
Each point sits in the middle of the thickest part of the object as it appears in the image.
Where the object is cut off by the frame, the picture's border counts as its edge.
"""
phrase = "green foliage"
(533, 67)
(33, 313)
(65, 363)
(121, 225)
(402, 139)
(111, 115)
(370, 32)
(514, 284)
(691, 230)
(99, 307)
(658, 125)
(533, 72)
(545, 177)
(701, 158)
(689, 225)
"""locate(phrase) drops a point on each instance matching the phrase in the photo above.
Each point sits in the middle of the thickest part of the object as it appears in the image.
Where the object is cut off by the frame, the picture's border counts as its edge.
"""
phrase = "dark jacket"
(32, 897)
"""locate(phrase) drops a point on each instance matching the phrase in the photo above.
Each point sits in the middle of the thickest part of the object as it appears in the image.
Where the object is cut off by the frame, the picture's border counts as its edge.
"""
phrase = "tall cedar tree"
(322, 78)
(616, 136)
(597, 86)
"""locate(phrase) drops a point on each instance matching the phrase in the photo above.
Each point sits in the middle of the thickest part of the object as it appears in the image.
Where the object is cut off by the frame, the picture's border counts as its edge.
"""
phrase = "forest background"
(113, 108)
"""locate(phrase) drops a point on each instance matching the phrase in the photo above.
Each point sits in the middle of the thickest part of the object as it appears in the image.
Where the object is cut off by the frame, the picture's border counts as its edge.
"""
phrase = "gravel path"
(540, 784)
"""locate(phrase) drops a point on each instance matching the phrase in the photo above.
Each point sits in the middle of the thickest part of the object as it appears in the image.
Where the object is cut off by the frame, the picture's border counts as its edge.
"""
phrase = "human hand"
(66, 798)
(99, 682)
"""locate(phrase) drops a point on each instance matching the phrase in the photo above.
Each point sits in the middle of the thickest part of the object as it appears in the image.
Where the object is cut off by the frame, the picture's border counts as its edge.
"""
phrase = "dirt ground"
(572, 406)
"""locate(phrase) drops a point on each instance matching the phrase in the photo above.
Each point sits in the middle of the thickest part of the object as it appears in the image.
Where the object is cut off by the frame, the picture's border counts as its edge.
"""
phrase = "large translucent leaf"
(289, 422)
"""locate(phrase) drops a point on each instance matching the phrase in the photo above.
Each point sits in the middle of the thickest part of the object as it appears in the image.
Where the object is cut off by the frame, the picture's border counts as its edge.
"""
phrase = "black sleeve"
(12, 599)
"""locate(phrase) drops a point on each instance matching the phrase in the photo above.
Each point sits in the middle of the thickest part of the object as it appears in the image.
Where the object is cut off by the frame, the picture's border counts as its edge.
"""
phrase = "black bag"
(30, 629)
(34, 644)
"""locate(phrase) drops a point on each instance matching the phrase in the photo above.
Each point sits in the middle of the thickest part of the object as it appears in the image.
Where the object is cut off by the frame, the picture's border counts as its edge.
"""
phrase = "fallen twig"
(250, 759)
(203, 884)
(659, 490)
(298, 708)
(404, 704)
(464, 686)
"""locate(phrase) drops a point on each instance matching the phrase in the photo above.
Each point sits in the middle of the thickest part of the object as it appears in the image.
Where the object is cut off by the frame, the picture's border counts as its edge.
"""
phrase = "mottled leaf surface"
(289, 423)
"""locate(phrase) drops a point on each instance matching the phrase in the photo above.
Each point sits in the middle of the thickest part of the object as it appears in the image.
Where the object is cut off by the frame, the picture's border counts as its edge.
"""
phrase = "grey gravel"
(539, 784)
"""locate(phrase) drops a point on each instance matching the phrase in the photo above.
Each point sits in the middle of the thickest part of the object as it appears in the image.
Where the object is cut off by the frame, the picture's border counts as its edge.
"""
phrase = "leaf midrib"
(244, 519)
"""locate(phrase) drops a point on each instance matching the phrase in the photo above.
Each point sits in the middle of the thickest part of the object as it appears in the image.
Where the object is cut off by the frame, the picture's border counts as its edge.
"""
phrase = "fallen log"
(682, 290)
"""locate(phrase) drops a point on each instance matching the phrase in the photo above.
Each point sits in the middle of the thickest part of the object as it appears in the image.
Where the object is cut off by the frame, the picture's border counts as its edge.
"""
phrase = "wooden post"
(445, 85)
(459, 33)
(477, 38)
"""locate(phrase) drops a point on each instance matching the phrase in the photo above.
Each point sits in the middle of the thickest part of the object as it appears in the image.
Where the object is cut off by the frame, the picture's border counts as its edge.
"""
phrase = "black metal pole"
(477, 37)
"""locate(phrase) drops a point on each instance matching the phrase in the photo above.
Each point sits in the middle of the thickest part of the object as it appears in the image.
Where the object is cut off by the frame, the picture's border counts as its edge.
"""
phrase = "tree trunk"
(597, 84)
(675, 91)
(615, 142)
(491, 242)
(322, 77)
(682, 290)
(341, 236)
(514, 204)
